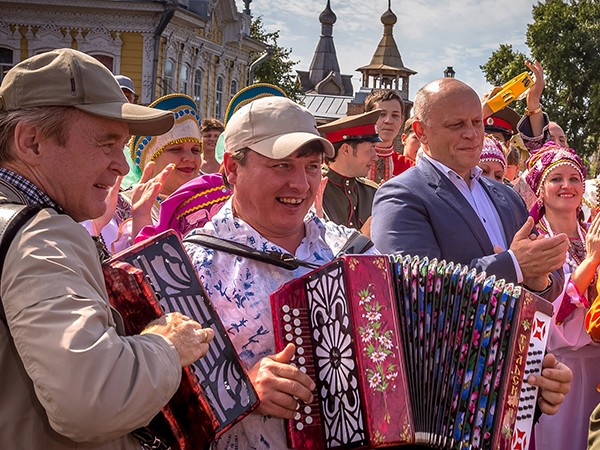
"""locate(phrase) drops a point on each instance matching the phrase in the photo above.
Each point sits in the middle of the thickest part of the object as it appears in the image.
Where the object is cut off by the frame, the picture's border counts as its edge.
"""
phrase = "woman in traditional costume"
(492, 161)
(556, 176)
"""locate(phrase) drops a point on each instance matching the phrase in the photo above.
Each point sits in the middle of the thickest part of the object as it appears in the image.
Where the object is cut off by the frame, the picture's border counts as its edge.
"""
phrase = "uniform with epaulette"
(347, 199)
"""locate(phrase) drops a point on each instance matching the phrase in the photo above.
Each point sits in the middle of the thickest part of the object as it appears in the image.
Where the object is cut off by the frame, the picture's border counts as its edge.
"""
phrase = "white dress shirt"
(481, 203)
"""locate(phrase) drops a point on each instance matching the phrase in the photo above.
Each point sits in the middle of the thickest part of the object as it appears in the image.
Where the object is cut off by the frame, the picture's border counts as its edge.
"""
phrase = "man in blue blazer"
(443, 208)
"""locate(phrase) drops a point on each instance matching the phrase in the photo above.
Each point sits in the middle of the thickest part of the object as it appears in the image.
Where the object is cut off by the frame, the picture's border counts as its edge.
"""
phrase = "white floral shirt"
(239, 289)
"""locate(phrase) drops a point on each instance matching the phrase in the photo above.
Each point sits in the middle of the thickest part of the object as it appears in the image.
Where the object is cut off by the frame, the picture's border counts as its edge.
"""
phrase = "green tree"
(565, 38)
(278, 69)
(504, 64)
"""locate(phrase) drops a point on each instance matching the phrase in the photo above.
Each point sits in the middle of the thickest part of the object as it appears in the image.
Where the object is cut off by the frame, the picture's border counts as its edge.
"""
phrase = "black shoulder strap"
(12, 217)
(356, 244)
(279, 259)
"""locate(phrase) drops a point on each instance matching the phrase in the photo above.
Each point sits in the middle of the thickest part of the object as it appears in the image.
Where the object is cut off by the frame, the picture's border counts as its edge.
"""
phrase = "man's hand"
(554, 384)
(280, 385)
(538, 255)
(187, 336)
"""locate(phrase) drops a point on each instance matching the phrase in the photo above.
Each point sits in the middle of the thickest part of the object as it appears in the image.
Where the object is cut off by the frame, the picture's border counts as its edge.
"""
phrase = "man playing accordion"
(273, 156)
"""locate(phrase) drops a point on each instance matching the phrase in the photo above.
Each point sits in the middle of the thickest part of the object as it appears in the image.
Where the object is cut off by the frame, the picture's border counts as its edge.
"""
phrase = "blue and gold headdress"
(243, 97)
(144, 149)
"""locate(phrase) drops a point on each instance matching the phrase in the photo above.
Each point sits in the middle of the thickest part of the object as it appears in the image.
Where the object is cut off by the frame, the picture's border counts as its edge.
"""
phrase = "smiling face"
(78, 175)
(186, 156)
(562, 190)
(274, 195)
(452, 129)
(390, 122)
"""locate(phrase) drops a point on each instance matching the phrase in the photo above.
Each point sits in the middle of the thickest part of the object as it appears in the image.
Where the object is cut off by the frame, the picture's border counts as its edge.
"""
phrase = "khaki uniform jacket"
(68, 380)
(348, 201)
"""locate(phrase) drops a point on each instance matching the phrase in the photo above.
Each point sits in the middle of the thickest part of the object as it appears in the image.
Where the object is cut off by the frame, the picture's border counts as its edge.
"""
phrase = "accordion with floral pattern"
(408, 350)
(157, 276)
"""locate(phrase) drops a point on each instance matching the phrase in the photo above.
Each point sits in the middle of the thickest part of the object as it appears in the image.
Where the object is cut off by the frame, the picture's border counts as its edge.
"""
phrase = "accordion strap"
(279, 259)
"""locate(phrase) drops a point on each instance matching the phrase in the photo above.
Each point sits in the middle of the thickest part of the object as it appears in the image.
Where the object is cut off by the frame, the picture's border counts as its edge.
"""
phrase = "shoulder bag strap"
(279, 259)
(12, 217)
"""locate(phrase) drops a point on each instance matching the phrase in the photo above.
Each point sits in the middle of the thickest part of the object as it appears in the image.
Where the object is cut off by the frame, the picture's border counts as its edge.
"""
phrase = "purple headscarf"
(492, 151)
(542, 162)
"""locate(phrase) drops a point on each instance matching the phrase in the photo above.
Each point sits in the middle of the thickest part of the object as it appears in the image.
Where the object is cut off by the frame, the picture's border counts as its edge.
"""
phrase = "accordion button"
(309, 420)
(298, 331)
(285, 308)
(287, 318)
(299, 426)
(299, 341)
(307, 410)
(289, 337)
(300, 351)
(297, 322)
(296, 312)
(297, 416)
(303, 369)
(301, 360)
(287, 327)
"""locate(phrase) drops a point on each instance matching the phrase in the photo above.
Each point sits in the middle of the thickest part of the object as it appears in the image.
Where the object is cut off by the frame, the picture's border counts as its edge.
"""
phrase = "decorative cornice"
(122, 21)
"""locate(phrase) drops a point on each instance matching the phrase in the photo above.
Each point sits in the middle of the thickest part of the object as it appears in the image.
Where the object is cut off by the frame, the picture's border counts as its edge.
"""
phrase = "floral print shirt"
(239, 289)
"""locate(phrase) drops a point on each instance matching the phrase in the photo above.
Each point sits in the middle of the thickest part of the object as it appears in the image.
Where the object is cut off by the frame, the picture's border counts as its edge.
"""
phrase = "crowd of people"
(502, 194)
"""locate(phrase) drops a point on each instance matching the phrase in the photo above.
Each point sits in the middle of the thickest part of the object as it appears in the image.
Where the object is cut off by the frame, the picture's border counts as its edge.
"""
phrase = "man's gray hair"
(51, 121)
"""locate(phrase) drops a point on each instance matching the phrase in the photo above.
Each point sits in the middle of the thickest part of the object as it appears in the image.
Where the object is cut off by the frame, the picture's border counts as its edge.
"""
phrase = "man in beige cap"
(69, 379)
(348, 196)
(273, 156)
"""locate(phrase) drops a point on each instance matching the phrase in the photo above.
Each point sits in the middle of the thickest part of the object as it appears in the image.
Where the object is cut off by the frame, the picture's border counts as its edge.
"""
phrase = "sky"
(430, 34)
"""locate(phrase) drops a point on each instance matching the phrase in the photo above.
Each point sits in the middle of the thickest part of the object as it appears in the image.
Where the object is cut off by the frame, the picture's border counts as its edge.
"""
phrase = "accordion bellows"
(408, 350)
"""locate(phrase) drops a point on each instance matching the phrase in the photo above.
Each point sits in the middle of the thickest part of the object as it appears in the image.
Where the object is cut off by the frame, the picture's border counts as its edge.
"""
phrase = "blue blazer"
(420, 212)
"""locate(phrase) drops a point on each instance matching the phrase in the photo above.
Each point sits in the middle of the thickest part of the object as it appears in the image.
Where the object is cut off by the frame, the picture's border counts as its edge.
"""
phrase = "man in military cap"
(502, 124)
(348, 197)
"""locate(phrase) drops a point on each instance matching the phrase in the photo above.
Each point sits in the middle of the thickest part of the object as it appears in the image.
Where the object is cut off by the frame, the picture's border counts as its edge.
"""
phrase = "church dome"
(327, 17)
(388, 17)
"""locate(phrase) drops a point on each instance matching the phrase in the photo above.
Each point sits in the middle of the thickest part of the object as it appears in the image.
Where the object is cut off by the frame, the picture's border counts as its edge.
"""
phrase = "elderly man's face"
(557, 134)
(79, 175)
(274, 195)
(453, 131)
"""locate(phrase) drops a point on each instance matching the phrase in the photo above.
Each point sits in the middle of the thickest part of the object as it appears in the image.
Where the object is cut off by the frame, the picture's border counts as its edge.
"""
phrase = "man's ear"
(345, 148)
(231, 167)
(27, 142)
(419, 131)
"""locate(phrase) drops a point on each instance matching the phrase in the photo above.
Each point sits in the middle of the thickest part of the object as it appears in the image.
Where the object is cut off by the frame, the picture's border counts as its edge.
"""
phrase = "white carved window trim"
(197, 89)
(219, 97)
(168, 79)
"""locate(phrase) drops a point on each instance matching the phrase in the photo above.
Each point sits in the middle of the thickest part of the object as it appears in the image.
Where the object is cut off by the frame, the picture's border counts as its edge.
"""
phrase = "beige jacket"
(68, 380)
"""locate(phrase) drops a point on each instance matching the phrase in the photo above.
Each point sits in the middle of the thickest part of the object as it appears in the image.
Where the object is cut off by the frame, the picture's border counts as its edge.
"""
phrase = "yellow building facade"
(198, 47)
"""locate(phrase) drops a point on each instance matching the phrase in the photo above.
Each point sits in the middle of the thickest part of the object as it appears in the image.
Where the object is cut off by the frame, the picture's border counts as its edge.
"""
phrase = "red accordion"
(407, 350)
(154, 277)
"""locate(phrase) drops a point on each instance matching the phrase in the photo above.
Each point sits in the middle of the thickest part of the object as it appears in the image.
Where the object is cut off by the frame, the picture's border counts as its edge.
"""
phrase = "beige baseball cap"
(275, 127)
(67, 77)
